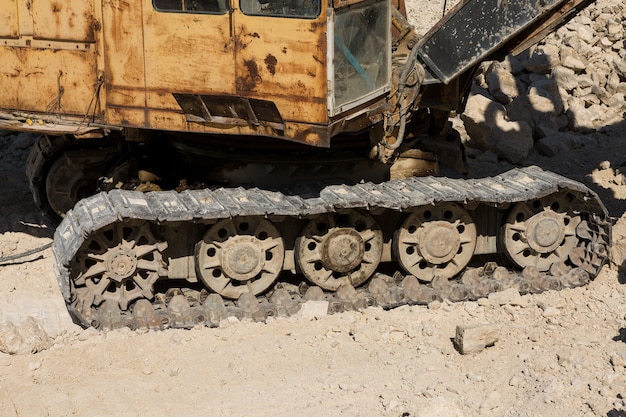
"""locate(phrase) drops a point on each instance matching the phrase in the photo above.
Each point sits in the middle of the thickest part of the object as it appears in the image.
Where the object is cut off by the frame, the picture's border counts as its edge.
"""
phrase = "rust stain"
(284, 50)
(270, 63)
(253, 69)
(253, 78)
(244, 38)
(315, 25)
(313, 136)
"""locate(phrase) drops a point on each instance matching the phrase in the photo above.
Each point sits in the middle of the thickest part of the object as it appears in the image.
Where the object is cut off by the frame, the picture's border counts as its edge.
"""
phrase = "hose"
(25, 254)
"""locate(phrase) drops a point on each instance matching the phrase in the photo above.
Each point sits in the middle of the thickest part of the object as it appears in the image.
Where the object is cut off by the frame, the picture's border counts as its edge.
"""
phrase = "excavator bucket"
(475, 30)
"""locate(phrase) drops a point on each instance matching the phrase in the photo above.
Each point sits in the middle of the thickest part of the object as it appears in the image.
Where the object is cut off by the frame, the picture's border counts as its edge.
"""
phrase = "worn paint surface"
(283, 58)
(54, 52)
(8, 19)
(63, 20)
(43, 68)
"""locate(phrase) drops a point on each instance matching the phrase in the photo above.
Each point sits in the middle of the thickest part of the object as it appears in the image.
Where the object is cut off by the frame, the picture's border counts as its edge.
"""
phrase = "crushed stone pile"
(549, 96)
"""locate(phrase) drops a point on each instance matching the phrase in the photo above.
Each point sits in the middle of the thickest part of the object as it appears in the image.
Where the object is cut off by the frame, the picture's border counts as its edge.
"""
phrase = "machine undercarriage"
(171, 258)
(256, 166)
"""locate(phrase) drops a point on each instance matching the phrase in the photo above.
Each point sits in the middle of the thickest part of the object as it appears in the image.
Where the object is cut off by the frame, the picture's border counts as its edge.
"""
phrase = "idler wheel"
(435, 241)
(237, 256)
(541, 232)
(118, 264)
(339, 249)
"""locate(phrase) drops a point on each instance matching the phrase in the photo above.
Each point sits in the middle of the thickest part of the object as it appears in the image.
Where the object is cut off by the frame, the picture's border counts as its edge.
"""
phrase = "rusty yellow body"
(207, 66)
(264, 93)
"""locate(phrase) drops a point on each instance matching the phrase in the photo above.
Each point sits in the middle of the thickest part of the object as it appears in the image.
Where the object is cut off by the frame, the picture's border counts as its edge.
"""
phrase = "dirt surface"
(558, 353)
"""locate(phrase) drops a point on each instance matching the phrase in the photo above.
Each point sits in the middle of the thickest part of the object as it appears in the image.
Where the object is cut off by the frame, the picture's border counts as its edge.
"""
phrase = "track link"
(543, 216)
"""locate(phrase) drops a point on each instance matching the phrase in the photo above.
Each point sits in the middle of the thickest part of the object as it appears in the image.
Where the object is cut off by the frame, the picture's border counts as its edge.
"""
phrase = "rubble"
(573, 82)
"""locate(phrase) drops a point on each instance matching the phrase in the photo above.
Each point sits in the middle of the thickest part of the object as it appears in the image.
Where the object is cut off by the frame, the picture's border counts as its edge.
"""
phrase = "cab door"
(188, 48)
(156, 48)
(281, 55)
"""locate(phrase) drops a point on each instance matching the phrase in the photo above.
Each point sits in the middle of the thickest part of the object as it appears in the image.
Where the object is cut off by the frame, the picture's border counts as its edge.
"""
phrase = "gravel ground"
(557, 353)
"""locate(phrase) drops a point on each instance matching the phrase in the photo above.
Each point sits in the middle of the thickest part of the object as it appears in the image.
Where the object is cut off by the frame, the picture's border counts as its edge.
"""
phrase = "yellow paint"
(56, 51)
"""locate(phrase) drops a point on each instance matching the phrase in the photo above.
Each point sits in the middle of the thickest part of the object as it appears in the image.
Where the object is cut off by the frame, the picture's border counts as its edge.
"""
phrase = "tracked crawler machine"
(235, 157)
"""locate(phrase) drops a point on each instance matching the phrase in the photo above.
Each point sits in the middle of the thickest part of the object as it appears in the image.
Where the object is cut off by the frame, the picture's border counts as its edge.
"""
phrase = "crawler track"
(167, 259)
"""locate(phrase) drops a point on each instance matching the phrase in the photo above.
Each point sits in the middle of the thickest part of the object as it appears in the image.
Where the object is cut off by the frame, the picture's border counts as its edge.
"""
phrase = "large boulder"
(489, 129)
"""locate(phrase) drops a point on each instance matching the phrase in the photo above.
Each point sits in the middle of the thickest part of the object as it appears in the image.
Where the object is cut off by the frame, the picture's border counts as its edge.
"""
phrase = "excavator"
(215, 158)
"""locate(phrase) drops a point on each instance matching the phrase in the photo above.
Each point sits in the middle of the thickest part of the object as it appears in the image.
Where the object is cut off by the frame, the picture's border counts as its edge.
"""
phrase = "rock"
(515, 381)
(533, 112)
(615, 30)
(616, 101)
(314, 293)
(584, 81)
(347, 293)
(33, 366)
(228, 321)
(488, 128)
(613, 83)
(572, 59)
(513, 64)
(620, 67)
(579, 118)
(618, 245)
(474, 339)
(541, 60)
(544, 110)
(565, 77)
(606, 43)
(23, 338)
(314, 310)
(502, 85)
(585, 33)
(473, 377)
(549, 89)
(558, 142)
(510, 296)
(488, 157)
(544, 131)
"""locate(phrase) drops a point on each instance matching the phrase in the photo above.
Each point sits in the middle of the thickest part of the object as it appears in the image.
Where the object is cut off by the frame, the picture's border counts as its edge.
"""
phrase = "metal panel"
(63, 20)
(283, 60)
(188, 53)
(123, 59)
(475, 29)
(59, 81)
(8, 19)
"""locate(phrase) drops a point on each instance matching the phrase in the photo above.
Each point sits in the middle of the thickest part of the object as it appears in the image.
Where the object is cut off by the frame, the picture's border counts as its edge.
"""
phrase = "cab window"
(191, 6)
(283, 8)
